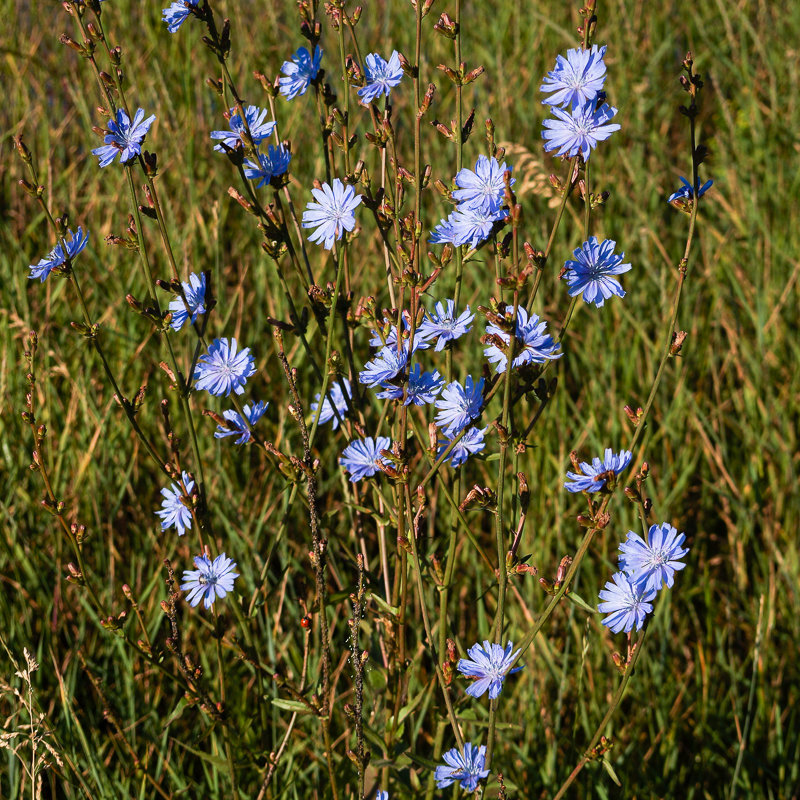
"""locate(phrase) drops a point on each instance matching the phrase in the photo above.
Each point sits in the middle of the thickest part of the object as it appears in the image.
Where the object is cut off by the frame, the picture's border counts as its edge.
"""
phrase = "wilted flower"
(686, 192)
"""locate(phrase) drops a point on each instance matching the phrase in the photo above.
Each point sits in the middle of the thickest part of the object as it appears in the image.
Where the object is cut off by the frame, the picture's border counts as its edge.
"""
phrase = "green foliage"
(720, 658)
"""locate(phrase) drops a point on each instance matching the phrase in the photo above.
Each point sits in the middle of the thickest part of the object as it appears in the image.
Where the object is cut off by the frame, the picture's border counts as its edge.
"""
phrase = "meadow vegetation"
(713, 707)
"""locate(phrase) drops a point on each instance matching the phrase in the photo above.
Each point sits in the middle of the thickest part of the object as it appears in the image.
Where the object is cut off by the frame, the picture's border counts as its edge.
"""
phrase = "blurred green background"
(716, 694)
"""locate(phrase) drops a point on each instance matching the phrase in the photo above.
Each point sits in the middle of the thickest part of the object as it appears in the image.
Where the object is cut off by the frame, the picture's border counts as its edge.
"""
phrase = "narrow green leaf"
(295, 706)
(610, 770)
(580, 602)
(382, 604)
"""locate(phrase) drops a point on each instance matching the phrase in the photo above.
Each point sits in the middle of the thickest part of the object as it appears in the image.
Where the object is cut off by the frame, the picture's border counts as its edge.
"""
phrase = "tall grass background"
(713, 708)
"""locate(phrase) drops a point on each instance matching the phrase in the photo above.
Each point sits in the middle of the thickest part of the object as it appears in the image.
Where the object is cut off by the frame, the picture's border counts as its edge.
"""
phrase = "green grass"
(721, 442)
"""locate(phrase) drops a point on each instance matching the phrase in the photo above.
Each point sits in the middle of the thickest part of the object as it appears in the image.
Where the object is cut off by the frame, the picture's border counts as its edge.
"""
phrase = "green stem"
(346, 84)
(502, 570)
(459, 148)
(143, 259)
(466, 527)
(173, 362)
(225, 736)
(451, 714)
(78, 553)
(750, 698)
(87, 320)
(682, 269)
(329, 341)
(567, 189)
(449, 569)
(623, 685)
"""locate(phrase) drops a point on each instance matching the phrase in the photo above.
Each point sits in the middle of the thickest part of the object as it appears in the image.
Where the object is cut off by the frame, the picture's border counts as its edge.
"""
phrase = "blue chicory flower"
(472, 225)
(576, 79)
(468, 768)
(222, 369)
(124, 138)
(484, 188)
(626, 602)
(458, 405)
(532, 345)
(339, 402)
(422, 387)
(362, 457)
(580, 130)
(445, 325)
(177, 13)
(588, 479)
(489, 663)
(210, 580)
(238, 426)
(655, 560)
(386, 365)
(56, 258)
(260, 128)
(444, 232)
(389, 334)
(591, 273)
(270, 165)
(195, 292)
(381, 76)
(299, 72)
(470, 443)
(332, 214)
(174, 513)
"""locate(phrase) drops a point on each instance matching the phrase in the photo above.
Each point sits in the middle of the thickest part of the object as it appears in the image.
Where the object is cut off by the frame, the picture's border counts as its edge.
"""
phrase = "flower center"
(595, 270)
(226, 369)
